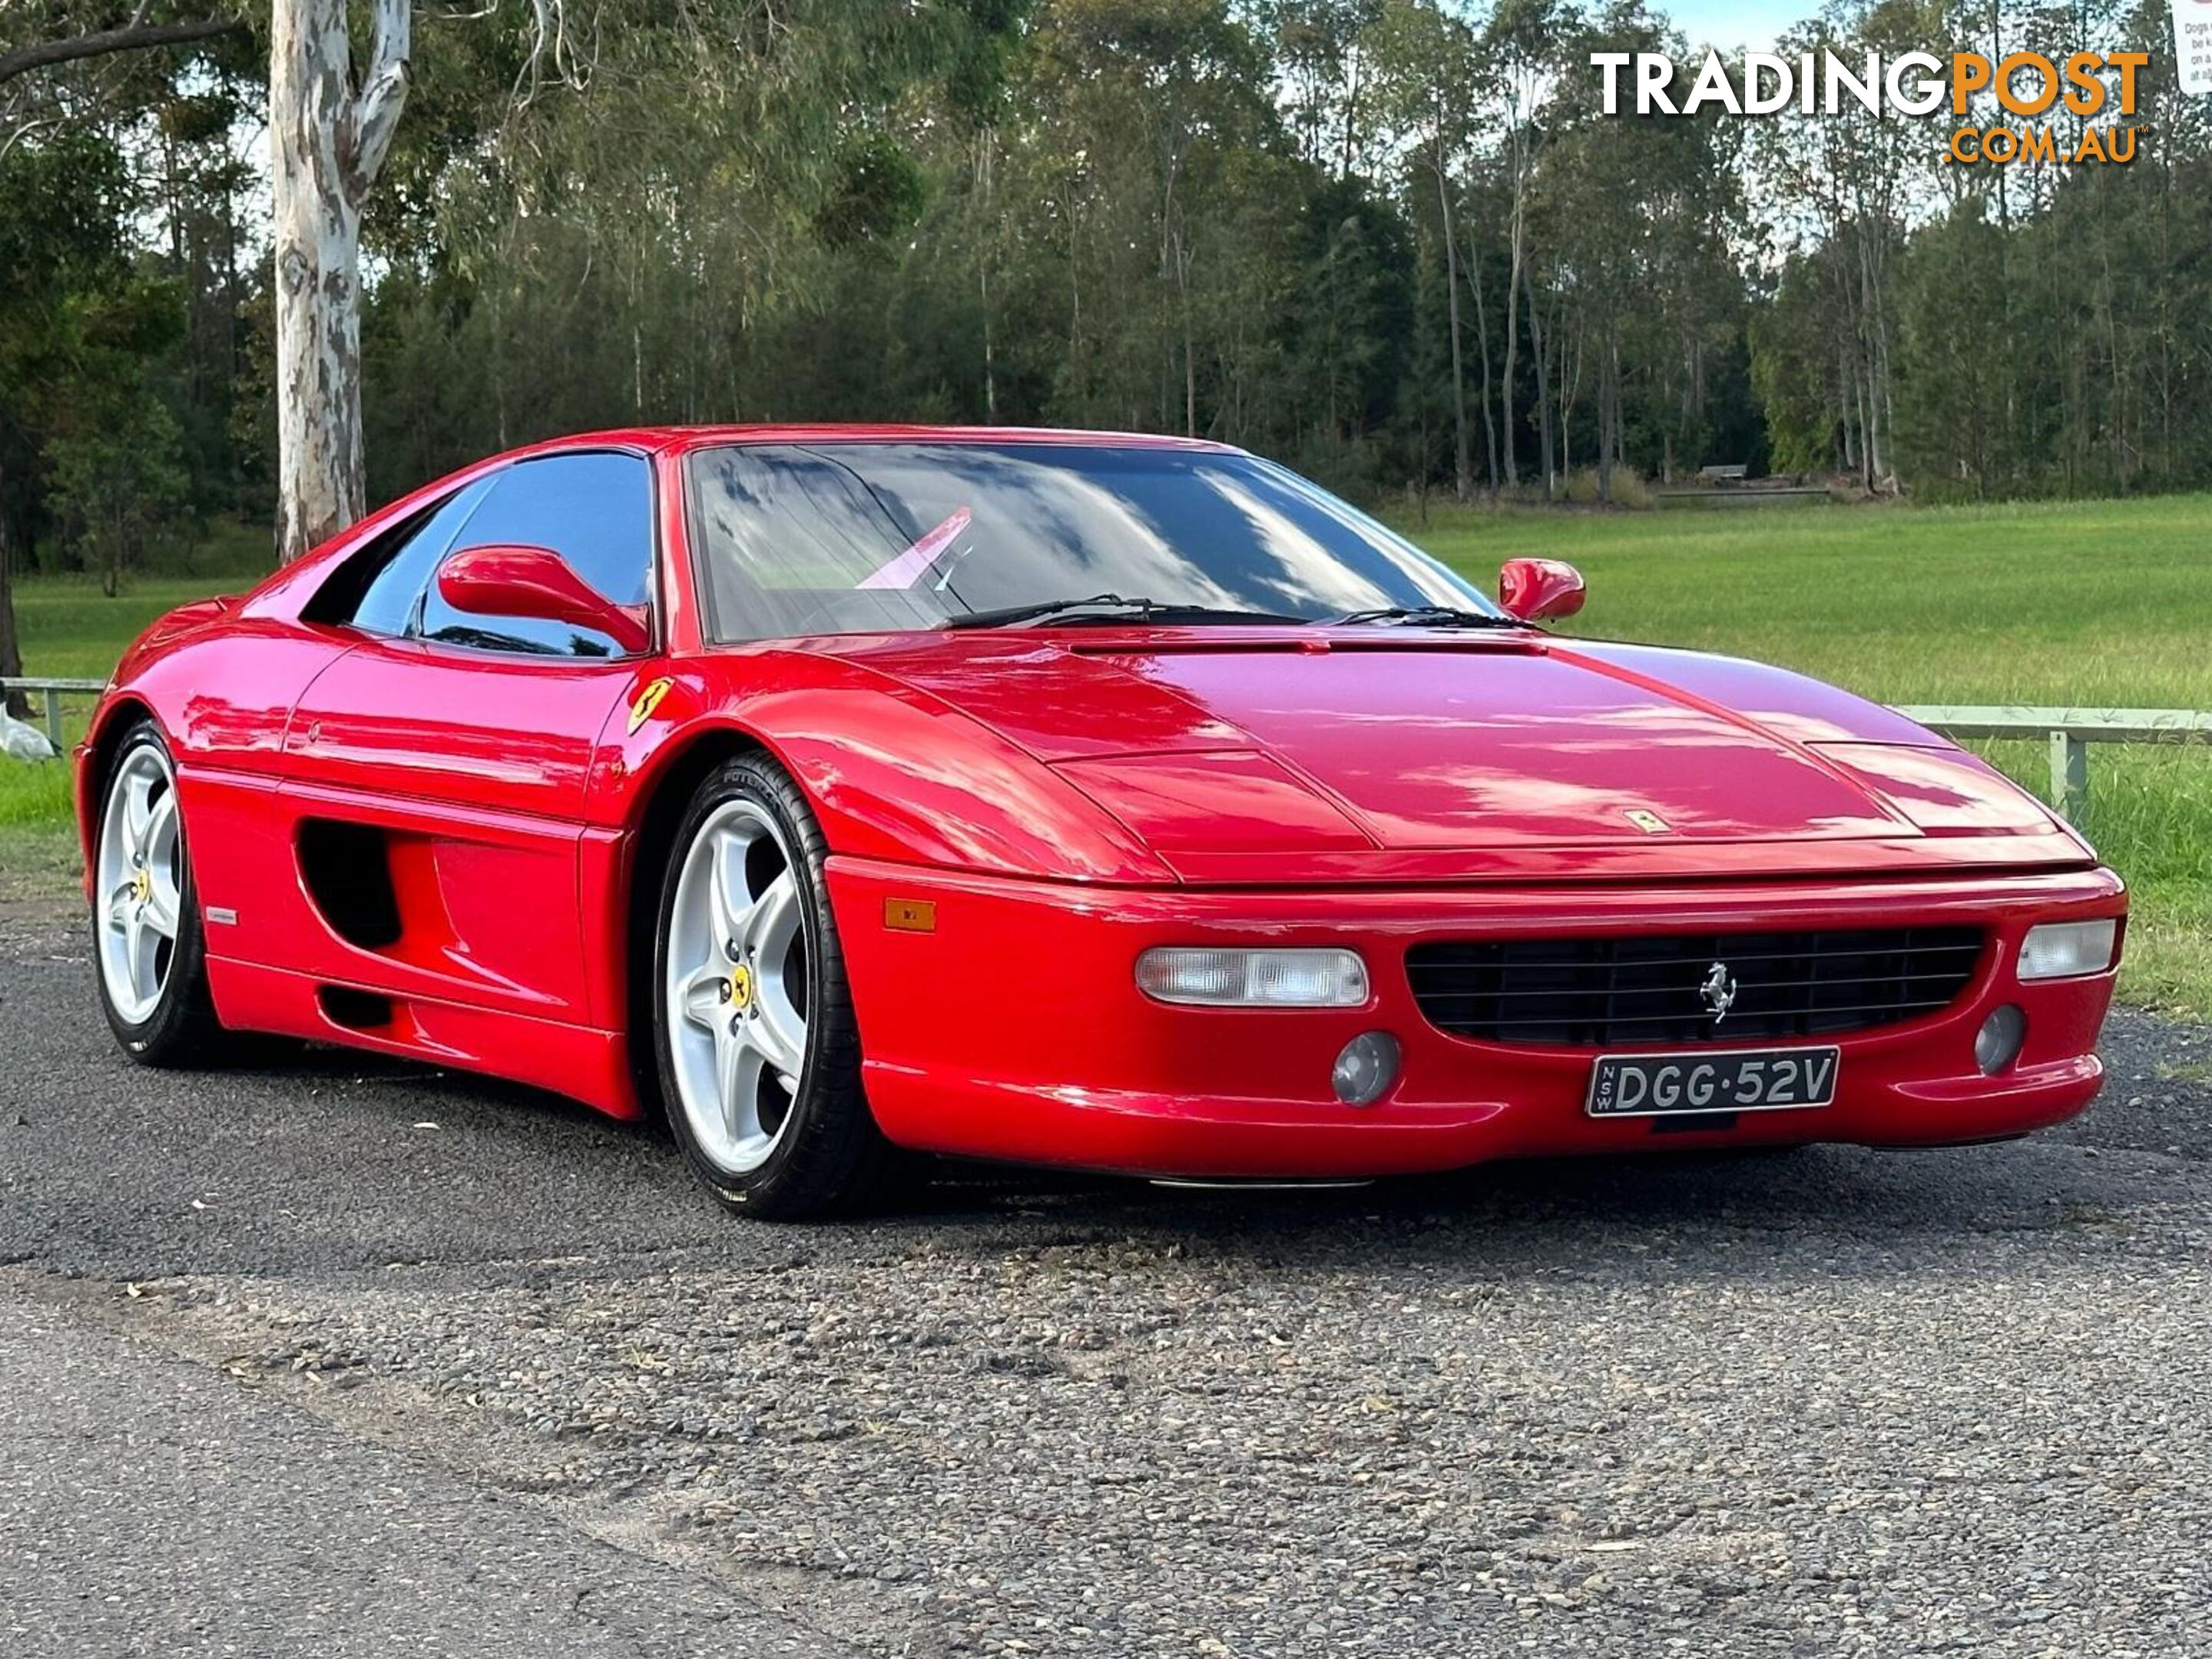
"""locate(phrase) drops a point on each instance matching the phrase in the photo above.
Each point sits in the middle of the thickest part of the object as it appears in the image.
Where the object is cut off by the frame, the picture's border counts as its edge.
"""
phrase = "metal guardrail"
(2070, 732)
(54, 692)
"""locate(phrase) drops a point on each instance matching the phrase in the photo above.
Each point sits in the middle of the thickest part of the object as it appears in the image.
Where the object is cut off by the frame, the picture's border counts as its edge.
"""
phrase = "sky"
(1730, 23)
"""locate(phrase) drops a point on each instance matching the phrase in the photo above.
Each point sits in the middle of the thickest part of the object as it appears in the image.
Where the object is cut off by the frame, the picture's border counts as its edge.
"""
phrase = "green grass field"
(2103, 604)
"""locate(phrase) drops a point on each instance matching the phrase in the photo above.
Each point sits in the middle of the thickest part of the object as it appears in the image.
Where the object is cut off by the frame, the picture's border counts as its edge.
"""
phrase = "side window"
(376, 589)
(388, 605)
(595, 511)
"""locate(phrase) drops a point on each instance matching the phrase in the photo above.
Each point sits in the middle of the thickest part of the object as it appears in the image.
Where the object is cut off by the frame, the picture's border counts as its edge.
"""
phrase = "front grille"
(1600, 993)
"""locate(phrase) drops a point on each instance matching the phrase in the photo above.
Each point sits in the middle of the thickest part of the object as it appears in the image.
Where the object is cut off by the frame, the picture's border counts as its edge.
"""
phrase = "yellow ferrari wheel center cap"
(142, 885)
(741, 988)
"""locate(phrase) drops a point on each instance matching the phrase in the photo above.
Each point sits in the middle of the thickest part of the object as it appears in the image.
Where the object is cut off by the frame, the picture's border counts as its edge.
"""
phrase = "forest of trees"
(1391, 242)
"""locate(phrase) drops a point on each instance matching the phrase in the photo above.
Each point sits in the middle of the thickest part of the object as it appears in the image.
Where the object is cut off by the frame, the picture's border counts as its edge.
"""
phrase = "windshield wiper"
(1426, 615)
(1111, 607)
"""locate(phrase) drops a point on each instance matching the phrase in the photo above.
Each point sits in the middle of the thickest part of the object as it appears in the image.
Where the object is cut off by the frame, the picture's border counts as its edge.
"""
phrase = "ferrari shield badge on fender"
(1650, 823)
(640, 710)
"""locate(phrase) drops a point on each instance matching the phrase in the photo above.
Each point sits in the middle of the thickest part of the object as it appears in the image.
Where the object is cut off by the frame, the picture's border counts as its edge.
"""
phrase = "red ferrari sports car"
(1067, 798)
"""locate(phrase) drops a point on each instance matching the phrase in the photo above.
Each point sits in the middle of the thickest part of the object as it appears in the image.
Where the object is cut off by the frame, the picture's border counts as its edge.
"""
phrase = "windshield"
(858, 537)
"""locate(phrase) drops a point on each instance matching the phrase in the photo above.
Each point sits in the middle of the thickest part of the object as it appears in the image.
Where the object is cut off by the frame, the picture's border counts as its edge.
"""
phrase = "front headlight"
(1253, 979)
(2067, 949)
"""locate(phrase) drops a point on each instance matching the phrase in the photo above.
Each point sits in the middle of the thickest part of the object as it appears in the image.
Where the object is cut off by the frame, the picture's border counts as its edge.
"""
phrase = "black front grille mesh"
(1603, 993)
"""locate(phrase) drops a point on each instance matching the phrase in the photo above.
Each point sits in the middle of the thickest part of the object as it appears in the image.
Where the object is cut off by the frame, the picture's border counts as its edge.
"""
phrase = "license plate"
(1739, 1080)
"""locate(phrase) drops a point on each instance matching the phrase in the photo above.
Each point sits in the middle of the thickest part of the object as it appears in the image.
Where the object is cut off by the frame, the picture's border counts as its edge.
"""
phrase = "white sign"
(2192, 44)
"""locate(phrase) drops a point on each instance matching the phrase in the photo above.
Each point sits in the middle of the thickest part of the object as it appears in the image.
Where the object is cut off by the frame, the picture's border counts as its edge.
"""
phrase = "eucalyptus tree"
(1423, 60)
(1152, 126)
(1522, 47)
(1647, 217)
(1845, 189)
(1323, 52)
(329, 132)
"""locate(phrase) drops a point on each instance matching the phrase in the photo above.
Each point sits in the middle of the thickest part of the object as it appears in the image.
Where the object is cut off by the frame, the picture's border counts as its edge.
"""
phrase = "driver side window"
(379, 588)
(595, 510)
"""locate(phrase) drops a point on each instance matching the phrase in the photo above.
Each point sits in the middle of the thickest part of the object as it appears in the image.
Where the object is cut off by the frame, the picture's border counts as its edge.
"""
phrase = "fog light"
(2066, 950)
(1997, 1043)
(1253, 979)
(1366, 1069)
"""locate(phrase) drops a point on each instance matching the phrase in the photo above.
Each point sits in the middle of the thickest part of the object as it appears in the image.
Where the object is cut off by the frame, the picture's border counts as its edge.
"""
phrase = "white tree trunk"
(329, 141)
(1462, 453)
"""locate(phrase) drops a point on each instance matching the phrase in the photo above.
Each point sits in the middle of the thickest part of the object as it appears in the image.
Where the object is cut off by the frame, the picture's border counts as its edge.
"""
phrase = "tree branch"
(375, 115)
(132, 37)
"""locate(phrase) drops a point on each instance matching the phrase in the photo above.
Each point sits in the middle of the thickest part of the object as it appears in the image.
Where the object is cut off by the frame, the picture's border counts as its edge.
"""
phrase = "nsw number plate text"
(1744, 1080)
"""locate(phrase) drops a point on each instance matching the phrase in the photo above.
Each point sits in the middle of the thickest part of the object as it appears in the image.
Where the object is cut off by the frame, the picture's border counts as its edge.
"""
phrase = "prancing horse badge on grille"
(1718, 991)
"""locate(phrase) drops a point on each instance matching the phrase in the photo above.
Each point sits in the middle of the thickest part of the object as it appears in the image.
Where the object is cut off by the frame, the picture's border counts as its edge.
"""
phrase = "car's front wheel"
(759, 1052)
(148, 948)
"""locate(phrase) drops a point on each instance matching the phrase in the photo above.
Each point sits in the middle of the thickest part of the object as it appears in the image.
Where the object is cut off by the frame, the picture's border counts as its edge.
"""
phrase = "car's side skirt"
(582, 1062)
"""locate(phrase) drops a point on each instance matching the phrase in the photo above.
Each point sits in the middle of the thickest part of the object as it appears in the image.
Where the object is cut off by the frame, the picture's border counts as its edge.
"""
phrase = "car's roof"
(699, 437)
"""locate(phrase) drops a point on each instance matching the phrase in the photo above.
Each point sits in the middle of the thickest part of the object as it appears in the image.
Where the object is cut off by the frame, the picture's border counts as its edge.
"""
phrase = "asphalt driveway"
(327, 1355)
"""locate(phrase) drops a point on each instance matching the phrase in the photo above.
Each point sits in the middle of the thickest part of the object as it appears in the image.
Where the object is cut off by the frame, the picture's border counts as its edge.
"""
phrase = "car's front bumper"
(1011, 1027)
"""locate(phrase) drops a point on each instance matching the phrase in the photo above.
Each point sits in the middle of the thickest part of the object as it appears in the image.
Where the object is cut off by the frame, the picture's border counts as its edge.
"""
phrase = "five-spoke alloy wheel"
(737, 978)
(759, 1053)
(147, 944)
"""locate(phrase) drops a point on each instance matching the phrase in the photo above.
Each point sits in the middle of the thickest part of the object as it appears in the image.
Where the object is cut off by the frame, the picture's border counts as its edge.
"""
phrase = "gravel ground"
(1835, 1401)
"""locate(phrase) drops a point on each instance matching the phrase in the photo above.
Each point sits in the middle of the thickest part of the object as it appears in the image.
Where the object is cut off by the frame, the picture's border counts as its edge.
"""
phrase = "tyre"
(149, 951)
(759, 1053)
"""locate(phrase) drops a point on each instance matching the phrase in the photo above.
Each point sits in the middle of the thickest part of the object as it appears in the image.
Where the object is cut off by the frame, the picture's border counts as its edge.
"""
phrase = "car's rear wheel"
(759, 1053)
(149, 953)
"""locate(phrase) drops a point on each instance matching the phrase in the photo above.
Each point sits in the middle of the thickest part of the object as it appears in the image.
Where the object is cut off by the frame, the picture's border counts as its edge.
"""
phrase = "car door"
(436, 775)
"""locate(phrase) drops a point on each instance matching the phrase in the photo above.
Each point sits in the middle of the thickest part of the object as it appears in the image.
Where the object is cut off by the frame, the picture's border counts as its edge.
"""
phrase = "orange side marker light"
(903, 915)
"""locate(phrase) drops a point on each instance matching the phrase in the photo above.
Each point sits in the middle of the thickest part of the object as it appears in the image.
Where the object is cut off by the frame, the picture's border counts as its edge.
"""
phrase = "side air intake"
(347, 869)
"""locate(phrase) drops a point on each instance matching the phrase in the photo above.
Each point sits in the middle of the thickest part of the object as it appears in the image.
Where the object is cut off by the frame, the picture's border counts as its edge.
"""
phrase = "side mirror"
(507, 579)
(1539, 590)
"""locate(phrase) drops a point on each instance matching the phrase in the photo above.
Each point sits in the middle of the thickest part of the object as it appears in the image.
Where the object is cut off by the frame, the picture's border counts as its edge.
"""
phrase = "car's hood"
(1206, 741)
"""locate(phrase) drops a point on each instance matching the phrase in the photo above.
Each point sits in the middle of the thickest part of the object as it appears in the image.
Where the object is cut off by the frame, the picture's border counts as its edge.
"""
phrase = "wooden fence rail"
(2069, 731)
(53, 691)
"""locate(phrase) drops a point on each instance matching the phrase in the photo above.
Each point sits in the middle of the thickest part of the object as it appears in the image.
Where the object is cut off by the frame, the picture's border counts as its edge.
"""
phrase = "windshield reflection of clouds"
(789, 534)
